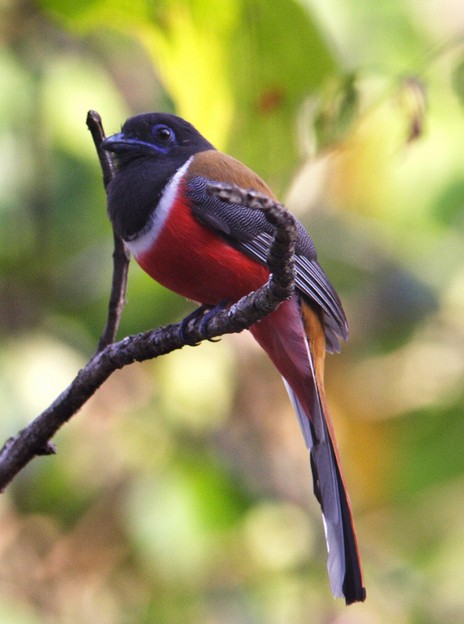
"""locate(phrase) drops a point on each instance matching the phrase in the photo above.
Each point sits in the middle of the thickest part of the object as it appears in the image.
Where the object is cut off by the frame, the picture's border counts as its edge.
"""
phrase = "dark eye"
(163, 134)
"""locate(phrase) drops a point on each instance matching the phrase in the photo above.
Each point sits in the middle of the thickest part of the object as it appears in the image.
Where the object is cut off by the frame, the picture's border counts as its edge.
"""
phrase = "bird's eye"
(163, 134)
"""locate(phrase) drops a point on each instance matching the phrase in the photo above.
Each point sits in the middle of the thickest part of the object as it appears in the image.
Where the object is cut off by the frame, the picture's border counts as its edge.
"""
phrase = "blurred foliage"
(182, 493)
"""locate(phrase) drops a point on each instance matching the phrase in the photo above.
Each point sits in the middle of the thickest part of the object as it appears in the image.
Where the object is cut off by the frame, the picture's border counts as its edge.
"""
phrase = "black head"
(147, 152)
(156, 135)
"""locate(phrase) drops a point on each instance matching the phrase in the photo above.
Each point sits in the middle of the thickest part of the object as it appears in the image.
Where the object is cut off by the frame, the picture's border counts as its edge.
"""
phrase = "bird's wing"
(249, 231)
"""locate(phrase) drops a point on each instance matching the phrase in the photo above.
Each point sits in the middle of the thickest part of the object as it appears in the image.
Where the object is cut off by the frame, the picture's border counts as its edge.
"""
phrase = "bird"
(213, 252)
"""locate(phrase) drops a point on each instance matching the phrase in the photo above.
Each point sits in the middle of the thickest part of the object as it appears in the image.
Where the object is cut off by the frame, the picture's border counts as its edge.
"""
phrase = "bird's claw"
(205, 313)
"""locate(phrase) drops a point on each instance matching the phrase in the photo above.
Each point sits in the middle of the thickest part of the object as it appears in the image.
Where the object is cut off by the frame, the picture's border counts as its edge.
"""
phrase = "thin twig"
(117, 299)
(95, 125)
(121, 255)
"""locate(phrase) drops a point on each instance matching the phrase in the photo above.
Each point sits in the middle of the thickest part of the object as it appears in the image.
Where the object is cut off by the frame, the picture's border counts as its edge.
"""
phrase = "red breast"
(186, 256)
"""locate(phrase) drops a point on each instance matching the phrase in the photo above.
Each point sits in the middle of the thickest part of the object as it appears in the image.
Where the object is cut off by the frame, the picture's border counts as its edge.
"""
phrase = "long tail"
(293, 337)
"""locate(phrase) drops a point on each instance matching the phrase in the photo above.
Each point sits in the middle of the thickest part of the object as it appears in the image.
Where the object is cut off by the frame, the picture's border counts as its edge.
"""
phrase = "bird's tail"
(293, 337)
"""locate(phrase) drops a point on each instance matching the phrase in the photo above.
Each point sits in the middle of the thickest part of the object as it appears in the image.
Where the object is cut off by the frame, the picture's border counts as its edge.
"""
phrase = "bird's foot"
(205, 313)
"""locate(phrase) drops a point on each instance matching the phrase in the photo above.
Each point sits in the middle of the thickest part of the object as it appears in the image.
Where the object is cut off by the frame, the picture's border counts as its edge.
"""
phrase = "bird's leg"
(208, 314)
(197, 313)
(204, 312)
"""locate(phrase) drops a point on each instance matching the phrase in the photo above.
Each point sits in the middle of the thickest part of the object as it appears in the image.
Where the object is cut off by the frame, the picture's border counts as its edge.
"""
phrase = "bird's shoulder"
(219, 167)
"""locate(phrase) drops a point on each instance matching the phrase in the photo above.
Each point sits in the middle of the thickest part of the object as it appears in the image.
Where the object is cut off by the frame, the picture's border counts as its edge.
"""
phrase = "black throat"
(136, 190)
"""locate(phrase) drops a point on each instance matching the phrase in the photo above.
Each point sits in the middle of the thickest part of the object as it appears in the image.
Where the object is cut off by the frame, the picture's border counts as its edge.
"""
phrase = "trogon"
(212, 252)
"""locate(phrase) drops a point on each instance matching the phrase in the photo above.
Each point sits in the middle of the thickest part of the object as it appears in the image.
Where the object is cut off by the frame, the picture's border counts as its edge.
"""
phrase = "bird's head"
(159, 136)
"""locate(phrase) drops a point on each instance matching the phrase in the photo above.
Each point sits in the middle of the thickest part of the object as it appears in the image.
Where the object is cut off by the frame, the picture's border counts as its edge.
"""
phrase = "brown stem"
(121, 255)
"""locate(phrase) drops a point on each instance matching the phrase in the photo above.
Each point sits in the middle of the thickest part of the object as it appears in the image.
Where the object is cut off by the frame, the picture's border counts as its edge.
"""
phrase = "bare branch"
(117, 299)
(95, 125)
(121, 255)
(35, 439)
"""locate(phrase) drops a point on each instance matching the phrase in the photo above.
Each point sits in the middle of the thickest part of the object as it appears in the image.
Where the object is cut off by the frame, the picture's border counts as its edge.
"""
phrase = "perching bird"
(211, 251)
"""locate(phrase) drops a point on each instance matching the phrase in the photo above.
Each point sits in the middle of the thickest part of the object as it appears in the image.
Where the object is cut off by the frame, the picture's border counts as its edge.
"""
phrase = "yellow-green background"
(181, 493)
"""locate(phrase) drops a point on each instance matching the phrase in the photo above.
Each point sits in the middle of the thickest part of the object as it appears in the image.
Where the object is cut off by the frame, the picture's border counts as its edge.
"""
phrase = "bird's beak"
(117, 143)
(120, 143)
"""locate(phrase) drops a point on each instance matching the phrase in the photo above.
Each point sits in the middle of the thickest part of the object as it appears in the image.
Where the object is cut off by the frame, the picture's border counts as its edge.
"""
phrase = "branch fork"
(36, 439)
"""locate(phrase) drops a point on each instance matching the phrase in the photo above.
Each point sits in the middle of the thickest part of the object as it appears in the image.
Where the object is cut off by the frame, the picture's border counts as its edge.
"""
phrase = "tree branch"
(35, 439)
(121, 255)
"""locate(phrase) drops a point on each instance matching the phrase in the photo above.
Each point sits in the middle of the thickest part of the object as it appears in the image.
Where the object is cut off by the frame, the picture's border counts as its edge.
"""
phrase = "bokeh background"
(182, 493)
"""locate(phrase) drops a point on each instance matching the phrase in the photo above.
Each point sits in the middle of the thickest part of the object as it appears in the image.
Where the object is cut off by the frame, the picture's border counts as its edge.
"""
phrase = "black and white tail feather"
(343, 562)
(251, 233)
